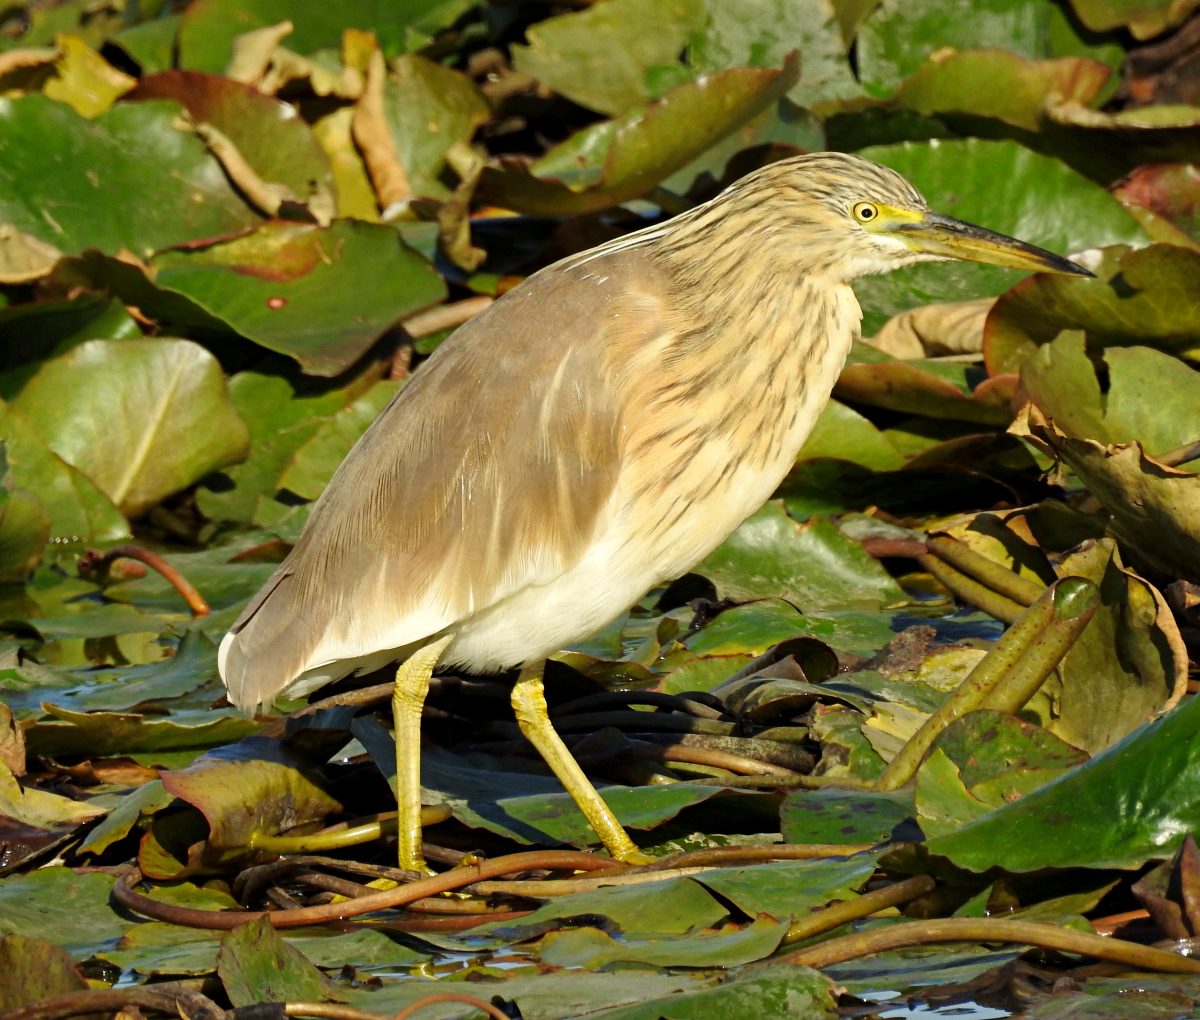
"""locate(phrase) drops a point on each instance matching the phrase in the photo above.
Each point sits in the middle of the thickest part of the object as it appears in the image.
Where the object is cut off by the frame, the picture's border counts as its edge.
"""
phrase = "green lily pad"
(209, 27)
(728, 946)
(1129, 804)
(811, 564)
(129, 180)
(844, 816)
(78, 510)
(276, 143)
(602, 57)
(282, 414)
(154, 418)
(39, 330)
(317, 458)
(161, 949)
(842, 433)
(321, 295)
(255, 964)
(754, 33)
(1017, 87)
(790, 889)
(1149, 298)
(68, 910)
(619, 160)
(255, 786)
(24, 527)
(669, 906)
(429, 109)
(895, 40)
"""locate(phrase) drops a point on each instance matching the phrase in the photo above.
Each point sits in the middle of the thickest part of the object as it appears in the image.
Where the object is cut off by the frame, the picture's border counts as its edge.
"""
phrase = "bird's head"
(851, 217)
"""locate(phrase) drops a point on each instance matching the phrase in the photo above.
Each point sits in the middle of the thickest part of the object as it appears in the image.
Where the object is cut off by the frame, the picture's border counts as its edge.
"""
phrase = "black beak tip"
(1075, 269)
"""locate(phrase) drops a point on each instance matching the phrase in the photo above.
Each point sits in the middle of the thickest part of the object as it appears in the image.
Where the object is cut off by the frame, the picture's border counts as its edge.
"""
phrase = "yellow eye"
(865, 212)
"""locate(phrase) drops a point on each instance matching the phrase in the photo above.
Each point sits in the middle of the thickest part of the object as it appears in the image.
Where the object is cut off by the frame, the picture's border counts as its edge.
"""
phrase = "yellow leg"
(408, 698)
(529, 703)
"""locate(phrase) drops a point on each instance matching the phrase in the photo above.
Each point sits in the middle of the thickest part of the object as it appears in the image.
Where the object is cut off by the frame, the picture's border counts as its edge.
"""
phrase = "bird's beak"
(946, 237)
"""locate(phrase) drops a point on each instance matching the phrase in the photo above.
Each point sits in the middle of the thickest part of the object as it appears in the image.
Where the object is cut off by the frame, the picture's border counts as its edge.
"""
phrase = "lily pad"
(895, 40)
(602, 57)
(619, 160)
(276, 143)
(78, 510)
(255, 964)
(321, 295)
(812, 564)
(209, 27)
(1148, 297)
(1130, 804)
(253, 787)
(130, 180)
(154, 418)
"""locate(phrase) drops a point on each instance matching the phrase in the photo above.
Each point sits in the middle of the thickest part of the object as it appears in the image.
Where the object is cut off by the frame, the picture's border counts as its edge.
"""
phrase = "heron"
(595, 432)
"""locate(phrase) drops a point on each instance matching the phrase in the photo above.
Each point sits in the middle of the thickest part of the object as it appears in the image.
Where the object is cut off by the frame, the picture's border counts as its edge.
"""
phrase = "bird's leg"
(408, 698)
(533, 717)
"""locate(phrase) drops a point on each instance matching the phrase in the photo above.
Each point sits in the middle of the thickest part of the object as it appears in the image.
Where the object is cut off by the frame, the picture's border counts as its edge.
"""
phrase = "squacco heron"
(596, 431)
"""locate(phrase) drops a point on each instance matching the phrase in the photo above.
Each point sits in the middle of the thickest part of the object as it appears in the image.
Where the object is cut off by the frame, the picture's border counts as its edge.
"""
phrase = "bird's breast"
(713, 439)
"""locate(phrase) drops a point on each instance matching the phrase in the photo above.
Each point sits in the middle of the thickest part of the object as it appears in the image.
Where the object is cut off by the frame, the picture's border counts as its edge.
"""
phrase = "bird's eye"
(865, 212)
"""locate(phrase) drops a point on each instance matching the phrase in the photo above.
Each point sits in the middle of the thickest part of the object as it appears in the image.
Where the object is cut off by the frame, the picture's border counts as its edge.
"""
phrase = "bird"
(595, 432)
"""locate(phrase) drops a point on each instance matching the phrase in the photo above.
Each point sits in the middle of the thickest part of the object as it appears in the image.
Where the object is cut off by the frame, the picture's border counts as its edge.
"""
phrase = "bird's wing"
(490, 471)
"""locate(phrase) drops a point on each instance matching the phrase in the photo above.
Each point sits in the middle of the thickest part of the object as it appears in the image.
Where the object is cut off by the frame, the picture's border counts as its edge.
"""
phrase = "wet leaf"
(768, 993)
(1170, 190)
(1144, 18)
(154, 417)
(1154, 509)
(98, 733)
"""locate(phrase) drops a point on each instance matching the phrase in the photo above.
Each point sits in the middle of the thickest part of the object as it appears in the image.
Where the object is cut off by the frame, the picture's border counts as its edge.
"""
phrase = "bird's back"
(489, 472)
